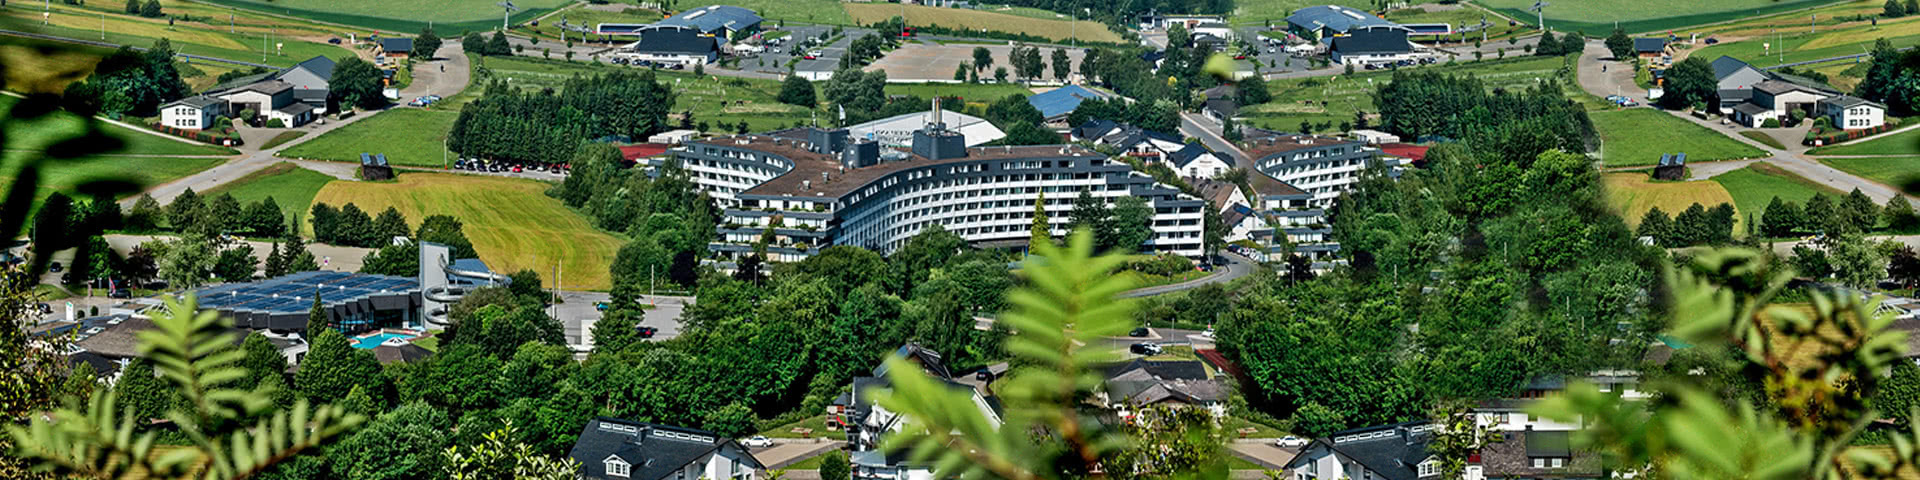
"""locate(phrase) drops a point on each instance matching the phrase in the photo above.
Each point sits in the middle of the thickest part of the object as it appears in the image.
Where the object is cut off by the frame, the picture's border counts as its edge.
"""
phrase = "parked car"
(757, 441)
(601, 306)
(1145, 348)
(1208, 333)
(1140, 332)
(645, 331)
(55, 267)
(44, 308)
(983, 375)
(1290, 441)
(122, 294)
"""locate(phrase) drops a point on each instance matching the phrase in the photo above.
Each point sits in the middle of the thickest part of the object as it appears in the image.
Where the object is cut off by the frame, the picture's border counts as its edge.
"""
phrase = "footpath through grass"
(291, 187)
(1753, 187)
(513, 223)
(1638, 136)
(1903, 143)
(409, 136)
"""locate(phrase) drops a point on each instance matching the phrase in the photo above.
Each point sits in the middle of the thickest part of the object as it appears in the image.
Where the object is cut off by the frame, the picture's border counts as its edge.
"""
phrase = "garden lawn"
(1631, 194)
(514, 225)
(919, 15)
(1753, 187)
(409, 136)
(1887, 170)
(1334, 99)
(448, 16)
(1638, 136)
(818, 423)
(291, 187)
(1903, 143)
(1598, 17)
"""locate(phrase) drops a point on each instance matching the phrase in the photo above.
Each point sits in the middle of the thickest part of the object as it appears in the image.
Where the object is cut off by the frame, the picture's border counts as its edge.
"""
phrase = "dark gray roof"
(1167, 369)
(396, 44)
(320, 65)
(714, 17)
(676, 41)
(1776, 87)
(1223, 106)
(1339, 18)
(269, 87)
(1649, 45)
(654, 451)
(1548, 444)
(196, 101)
(1373, 41)
(925, 357)
(1735, 95)
(242, 81)
(296, 108)
(400, 353)
(1511, 457)
(1186, 155)
(1751, 109)
(1392, 452)
(310, 96)
(1130, 135)
(1725, 65)
(1092, 128)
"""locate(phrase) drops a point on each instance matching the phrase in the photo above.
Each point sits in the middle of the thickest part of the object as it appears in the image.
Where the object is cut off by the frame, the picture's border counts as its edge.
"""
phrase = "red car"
(516, 169)
(1239, 57)
(808, 57)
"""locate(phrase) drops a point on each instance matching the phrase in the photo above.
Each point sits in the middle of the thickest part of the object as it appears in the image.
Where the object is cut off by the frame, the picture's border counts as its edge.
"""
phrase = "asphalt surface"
(1237, 266)
(1199, 126)
(578, 314)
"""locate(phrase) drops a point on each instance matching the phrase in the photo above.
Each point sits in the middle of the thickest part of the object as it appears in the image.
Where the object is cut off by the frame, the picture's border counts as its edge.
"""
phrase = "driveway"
(1262, 451)
(788, 451)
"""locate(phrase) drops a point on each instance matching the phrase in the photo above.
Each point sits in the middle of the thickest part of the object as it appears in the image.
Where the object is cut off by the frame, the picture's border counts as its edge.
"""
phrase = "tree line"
(1852, 213)
(1697, 225)
(1518, 123)
(352, 227)
(548, 126)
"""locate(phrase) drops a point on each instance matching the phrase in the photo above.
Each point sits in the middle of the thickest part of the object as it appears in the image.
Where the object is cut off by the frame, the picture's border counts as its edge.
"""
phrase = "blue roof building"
(1057, 103)
(1329, 20)
(350, 299)
(717, 20)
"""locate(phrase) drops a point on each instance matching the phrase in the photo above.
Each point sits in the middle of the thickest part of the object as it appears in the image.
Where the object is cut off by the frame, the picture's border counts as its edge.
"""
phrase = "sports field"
(980, 20)
(1903, 143)
(1888, 170)
(1638, 136)
(409, 136)
(1598, 16)
(449, 16)
(1631, 194)
(512, 222)
(291, 187)
(1753, 187)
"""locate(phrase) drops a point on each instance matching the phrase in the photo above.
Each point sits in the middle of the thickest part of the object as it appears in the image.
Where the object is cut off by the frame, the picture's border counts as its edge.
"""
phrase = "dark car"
(120, 294)
(334, 41)
(983, 375)
(645, 331)
(1140, 332)
(44, 308)
(55, 267)
(1145, 348)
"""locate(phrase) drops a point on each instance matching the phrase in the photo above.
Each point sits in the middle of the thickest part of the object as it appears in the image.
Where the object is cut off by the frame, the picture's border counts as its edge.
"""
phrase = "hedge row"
(1844, 135)
(216, 137)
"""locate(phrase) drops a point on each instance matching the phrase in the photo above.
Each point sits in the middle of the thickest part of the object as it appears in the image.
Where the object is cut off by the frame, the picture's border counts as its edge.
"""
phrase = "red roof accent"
(643, 150)
(1405, 150)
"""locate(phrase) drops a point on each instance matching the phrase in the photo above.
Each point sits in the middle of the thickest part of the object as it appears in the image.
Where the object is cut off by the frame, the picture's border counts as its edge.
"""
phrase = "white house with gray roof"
(1853, 113)
(197, 112)
(1386, 452)
(616, 449)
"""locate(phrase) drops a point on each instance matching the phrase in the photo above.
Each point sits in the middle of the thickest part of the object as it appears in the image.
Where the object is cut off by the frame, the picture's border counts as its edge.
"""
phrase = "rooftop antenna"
(507, 6)
(1540, 12)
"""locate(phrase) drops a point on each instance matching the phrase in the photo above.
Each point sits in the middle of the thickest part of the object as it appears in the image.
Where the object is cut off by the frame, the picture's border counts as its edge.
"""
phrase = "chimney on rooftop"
(806, 185)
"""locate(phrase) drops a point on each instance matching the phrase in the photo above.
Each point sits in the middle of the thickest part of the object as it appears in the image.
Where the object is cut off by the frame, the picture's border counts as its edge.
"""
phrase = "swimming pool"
(376, 339)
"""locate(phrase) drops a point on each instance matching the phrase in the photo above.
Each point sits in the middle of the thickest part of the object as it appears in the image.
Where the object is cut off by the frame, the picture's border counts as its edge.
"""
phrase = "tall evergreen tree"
(1862, 215)
(1899, 214)
(1656, 224)
(184, 210)
(1781, 219)
(1041, 233)
(1820, 214)
(276, 264)
(317, 319)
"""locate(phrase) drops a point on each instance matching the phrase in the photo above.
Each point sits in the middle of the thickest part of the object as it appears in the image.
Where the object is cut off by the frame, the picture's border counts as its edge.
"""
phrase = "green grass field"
(1057, 29)
(1903, 143)
(1334, 99)
(589, 17)
(982, 93)
(186, 37)
(1631, 194)
(712, 99)
(283, 137)
(1639, 136)
(1597, 17)
(138, 160)
(1773, 46)
(512, 222)
(1887, 170)
(1763, 138)
(1753, 187)
(1496, 28)
(448, 16)
(291, 187)
(409, 136)
(817, 423)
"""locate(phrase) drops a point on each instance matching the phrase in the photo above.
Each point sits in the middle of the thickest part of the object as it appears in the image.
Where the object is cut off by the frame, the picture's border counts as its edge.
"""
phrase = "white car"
(758, 441)
(1290, 441)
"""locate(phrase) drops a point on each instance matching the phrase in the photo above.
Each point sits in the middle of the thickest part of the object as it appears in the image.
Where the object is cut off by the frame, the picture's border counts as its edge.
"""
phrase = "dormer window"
(1429, 468)
(617, 467)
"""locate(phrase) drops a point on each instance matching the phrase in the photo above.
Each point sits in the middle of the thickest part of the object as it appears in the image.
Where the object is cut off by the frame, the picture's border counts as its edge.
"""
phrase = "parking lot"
(932, 61)
(829, 58)
(775, 58)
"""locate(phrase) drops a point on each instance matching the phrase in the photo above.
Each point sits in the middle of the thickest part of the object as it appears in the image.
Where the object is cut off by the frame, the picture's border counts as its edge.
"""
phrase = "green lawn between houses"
(1638, 136)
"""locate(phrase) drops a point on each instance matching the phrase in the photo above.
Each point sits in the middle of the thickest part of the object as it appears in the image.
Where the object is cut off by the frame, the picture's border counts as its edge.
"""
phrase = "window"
(1429, 468)
(617, 467)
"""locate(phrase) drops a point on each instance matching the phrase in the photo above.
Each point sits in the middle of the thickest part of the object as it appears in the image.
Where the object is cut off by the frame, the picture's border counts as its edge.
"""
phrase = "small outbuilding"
(1650, 47)
(374, 167)
(1671, 167)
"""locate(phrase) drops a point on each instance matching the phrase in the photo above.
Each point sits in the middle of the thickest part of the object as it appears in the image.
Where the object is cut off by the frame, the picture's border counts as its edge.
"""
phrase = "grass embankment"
(1893, 171)
(291, 187)
(1631, 194)
(1753, 187)
(1334, 99)
(513, 223)
(283, 137)
(1763, 138)
(1903, 143)
(1598, 17)
(408, 136)
(975, 20)
(1639, 136)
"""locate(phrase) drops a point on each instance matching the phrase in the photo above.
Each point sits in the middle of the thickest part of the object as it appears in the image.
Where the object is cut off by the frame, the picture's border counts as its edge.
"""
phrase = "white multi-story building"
(817, 188)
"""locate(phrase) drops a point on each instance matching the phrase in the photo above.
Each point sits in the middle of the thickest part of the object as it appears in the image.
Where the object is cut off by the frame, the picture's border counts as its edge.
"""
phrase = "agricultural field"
(1631, 194)
(1639, 136)
(448, 16)
(1887, 170)
(588, 16)
(1790, 39)
(512, 222)
(1057, 29)
(32, 69)
(409, 136)
(291, 187)
(284, 42)
(1753, 187)
(1598, 17)
(1903, 143)
(826, 12)
(1334, 99)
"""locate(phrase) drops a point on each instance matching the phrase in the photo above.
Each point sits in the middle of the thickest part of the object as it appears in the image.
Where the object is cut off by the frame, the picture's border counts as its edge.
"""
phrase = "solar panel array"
(294, 293)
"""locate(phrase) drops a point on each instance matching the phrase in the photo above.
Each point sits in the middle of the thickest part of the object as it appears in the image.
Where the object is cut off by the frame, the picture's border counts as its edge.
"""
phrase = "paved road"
(1618, 77)
(788, 451)
(1237, 266)
(253, 159)
(1198, 126)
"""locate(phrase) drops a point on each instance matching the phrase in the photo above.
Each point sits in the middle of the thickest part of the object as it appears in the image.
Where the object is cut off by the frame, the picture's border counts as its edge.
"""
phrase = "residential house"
(1385, 452)
(1650, 48)
(1242, 222)
(612, 448)
(1773, 99)
(1852, 113)
(1093, 129)
(673, 45)
(269, 99)
(1222, 103)
(1055, 105)
(1140, 143)
(1324, 21)
(1374, 45)
(1195, 161)
(1536, 455)
(1142, 382)
(395, 47)
(868, 423)
(197, 112)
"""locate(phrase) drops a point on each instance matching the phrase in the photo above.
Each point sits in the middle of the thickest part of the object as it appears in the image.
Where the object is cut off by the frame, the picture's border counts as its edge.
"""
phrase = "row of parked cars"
(424, 100)
(482, 165)
(648, 63)
(1621, 100)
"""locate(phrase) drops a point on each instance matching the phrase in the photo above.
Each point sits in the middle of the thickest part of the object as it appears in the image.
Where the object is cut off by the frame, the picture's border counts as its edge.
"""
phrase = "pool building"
(353, 302)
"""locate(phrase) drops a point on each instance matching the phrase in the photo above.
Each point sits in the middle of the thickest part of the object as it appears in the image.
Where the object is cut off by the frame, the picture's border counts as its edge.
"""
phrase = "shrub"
(276, 123)
(1770, 123)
